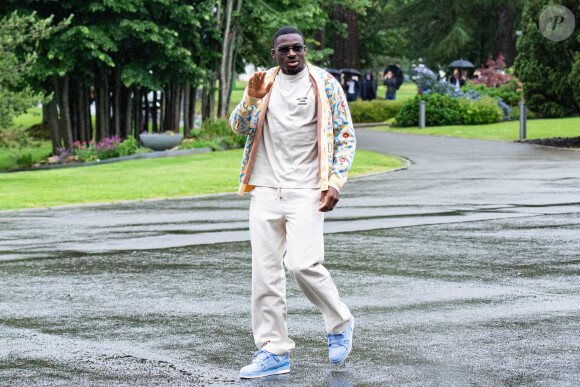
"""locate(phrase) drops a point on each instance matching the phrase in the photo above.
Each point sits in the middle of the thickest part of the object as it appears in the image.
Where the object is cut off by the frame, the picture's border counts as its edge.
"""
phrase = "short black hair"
(286, 31)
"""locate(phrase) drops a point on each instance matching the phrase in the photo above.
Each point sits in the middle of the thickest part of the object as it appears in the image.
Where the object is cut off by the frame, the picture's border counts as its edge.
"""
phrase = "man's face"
(290, 62)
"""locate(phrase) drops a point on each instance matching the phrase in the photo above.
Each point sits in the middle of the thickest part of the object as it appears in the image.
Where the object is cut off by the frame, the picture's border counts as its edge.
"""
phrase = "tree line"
(145, 62)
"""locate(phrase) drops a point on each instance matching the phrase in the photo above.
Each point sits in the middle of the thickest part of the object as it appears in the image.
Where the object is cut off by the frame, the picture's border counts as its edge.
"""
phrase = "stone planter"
(160, 141)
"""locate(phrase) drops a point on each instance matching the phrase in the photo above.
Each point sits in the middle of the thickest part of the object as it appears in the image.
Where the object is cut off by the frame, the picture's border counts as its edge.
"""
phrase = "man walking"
(299, 149)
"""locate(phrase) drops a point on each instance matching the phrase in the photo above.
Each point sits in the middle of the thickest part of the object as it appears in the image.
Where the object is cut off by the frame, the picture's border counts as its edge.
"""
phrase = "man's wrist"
(252, 101)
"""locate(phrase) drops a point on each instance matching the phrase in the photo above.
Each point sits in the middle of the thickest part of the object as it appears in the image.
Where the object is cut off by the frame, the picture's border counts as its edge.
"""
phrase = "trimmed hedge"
(443, 110)
(377, 110)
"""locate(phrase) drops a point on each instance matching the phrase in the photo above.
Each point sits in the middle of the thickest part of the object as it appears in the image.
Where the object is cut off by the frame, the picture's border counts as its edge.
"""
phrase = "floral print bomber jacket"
(336, 138)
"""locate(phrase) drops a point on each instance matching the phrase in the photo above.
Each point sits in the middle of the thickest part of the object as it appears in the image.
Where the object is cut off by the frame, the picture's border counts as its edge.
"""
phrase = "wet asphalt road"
(461, 270)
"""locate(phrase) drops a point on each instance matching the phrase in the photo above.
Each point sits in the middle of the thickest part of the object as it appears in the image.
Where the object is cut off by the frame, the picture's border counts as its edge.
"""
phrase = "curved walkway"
(460, 270)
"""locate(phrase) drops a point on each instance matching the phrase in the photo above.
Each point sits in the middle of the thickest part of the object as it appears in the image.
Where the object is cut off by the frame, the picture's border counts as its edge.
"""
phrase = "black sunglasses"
(297, 48)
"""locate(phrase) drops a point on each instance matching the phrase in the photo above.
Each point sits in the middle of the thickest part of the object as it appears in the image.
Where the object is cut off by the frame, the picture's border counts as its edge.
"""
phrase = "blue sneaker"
(265, 364)
(339, 346)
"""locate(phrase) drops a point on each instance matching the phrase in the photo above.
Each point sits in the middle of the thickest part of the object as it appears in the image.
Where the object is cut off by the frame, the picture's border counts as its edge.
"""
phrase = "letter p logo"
(557, 23)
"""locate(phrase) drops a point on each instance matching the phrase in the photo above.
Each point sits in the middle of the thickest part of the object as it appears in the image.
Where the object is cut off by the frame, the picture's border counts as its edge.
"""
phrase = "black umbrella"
(335, 73)
(396, 72)
(461, 63)
(351, 71)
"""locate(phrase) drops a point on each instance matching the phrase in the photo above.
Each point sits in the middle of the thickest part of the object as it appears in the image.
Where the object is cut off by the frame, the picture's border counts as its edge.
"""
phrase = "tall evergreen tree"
(546, 67)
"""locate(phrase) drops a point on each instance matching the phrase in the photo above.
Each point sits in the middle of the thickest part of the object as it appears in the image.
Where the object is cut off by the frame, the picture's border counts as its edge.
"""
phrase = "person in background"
(368, 87)
(352, 87)
(391, 83)
(456, 81)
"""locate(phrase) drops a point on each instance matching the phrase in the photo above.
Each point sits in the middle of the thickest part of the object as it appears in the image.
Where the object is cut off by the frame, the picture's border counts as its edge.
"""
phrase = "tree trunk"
(163, 102)
(117, 112)
(178, 107)
(208, 97)
(137, 110)
(231, 82)
(168, 108)
(146, 110)
(51, 112)
(346, 49)
(186, 106)
(80, 113)
(74, 116)
(193, 101)
(505, 39)
(101, 104)
(88, 116)
(226, 52)
(154, 114)
(65, 113)
(128, 113)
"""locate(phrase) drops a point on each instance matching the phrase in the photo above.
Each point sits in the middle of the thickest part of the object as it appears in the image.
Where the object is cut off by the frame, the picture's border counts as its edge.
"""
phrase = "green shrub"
(377, 110)
(24, 160)
(128, 147)
(442, 110)
(216, 134)
(14, 138)
(508, 93)
(439, 110)
(483, 110)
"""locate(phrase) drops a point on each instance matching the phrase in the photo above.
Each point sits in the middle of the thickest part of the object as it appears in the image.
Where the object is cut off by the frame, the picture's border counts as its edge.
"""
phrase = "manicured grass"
(199, 174)
(32, 117)
(38, 153)
(406, 91)
(502, 131)
(366, 162)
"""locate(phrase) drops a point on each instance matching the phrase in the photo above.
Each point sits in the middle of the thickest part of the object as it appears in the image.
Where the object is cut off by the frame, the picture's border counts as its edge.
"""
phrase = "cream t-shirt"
(288, 151)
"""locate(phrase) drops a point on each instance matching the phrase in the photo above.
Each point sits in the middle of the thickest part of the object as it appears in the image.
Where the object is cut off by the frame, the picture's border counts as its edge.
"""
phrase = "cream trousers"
(286, 228)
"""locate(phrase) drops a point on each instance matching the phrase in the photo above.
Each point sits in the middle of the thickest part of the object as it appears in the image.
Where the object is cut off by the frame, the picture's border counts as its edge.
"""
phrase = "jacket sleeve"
(244, 118)
(344, 137)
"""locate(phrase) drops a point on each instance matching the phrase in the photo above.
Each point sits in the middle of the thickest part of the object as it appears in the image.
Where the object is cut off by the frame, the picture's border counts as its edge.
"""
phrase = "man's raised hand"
(256, 86)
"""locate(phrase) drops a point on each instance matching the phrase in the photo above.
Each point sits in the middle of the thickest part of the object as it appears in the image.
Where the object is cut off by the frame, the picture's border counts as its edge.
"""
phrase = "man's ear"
(273, 53)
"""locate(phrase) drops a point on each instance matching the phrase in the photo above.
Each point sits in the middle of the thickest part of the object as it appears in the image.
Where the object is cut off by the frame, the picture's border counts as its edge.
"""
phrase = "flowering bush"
(95, 151)
(493, 75)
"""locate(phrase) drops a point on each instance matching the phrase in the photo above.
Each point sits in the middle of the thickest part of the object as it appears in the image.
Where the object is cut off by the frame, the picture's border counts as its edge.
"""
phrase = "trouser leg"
(268, 238)
(305, 254)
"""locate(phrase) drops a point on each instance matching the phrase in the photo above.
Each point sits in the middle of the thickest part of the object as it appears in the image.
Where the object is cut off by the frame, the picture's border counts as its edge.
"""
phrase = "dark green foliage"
(442, 31)
(484, 110)
(14, 138)
(574, 77)
(24, 160)
(508, 93)
(19, 39)
(442, 110)
(216, 134)
(377, 110)
(439, 110)
(545, 66)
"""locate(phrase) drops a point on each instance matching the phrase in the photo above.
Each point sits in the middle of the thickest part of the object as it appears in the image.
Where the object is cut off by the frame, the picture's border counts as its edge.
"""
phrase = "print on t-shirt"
(302, 101)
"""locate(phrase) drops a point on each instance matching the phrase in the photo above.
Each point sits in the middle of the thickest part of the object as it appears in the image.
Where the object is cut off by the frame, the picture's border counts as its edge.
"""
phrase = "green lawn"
(199, 174)
(502, 131)
(32, 117)
(7, 155)
(406, 91)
